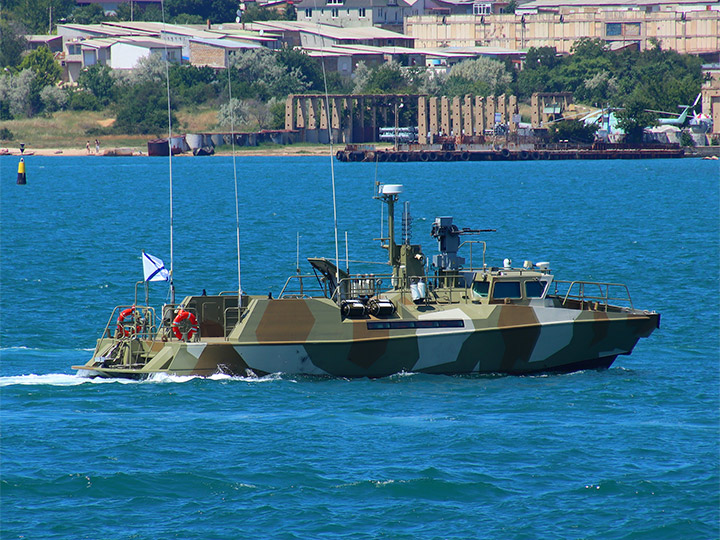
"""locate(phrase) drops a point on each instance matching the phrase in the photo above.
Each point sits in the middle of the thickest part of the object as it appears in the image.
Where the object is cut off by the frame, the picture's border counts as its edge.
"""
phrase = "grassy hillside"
(72, 129)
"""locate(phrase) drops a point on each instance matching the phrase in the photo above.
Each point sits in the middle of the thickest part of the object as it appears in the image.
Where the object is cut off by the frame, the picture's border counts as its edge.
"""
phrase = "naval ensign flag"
(154, 268)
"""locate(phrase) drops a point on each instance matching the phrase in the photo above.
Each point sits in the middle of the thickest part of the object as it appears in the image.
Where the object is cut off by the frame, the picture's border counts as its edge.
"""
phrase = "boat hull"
(308, 336)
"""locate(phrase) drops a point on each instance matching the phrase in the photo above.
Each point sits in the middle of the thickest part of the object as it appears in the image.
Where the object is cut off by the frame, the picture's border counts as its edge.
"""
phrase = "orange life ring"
(181, 316)
(126, 315)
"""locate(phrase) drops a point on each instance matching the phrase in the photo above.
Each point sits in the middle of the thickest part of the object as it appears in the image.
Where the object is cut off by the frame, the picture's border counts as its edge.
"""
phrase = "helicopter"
(681, 118)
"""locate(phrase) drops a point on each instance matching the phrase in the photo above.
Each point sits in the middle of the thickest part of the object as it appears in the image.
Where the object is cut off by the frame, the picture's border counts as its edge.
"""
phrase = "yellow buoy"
(21, 172)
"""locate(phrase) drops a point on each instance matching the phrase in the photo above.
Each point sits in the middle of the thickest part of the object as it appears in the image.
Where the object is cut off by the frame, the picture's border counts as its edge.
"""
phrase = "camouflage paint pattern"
(309, 336)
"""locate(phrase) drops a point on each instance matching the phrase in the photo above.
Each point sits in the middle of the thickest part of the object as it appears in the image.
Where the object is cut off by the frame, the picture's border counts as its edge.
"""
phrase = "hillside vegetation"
(125, 105)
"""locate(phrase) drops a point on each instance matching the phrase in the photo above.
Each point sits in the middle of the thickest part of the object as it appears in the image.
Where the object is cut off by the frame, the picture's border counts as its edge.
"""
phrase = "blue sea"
(627, 453)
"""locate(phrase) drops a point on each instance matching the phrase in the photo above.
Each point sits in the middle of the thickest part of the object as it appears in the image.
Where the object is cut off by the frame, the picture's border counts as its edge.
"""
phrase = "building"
(115, 52)
(215, 53)
(388, 14)
(35, 41)
(310, 35)
(687, 26)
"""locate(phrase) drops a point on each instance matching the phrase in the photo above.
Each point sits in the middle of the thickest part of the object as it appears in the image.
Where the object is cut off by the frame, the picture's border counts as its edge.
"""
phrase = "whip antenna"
(237, 205)
(167, 81)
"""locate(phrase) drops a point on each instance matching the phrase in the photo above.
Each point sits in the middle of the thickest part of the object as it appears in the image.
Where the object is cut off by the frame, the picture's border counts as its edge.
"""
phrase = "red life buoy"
(182, 316)
(126, 316)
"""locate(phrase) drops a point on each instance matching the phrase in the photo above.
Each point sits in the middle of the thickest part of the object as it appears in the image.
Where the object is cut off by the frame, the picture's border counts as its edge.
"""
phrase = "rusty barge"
(451, 151)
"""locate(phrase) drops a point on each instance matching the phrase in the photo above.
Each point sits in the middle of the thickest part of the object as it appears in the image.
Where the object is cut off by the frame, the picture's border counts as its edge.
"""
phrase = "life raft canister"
(184, 315)
(126, 316)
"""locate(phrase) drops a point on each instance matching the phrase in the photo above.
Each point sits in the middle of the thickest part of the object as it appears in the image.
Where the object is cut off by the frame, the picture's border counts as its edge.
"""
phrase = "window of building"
(482, 8)
(613, 29)
(506, 289)
(631, 29)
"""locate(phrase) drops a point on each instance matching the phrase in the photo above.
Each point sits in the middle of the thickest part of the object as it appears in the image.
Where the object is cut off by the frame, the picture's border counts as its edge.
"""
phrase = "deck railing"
(600, 293)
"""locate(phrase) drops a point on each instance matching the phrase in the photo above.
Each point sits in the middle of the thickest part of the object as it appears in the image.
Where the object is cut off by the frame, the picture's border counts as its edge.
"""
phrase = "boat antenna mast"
(237, 204)
(389, 194)
(332, 172)
(167, 82)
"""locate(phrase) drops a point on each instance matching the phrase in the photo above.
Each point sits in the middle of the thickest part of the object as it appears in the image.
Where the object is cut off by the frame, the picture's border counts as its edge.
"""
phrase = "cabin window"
(334, 12)
(534, 288)
(361, 12)
(308, 12)
(481, 288)
(506, 289)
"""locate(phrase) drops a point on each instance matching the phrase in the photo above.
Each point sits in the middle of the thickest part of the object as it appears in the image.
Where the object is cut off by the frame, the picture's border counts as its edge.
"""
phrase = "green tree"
(299, 62)
(46, 68)
(82, 100)
(481, 76)
(12, 42)
(635, 117)
(143, 109)
(541, 56)
(53, 98)
(191, 85)
(217, 11)
(387, 78)
(90, 14)
(18, 94)
(260, 13)
(42, 16)
(574, 131)
(98, 80)
(256, 73)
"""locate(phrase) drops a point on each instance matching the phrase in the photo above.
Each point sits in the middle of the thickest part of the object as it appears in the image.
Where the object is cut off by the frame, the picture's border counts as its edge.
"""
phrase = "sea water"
(626, 453)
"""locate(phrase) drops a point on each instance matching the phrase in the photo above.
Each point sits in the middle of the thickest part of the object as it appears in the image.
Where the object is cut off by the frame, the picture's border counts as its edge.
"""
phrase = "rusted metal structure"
(356, 118)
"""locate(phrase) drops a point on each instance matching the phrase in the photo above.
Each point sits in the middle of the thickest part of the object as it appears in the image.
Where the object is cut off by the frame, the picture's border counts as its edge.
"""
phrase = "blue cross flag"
(154, 268)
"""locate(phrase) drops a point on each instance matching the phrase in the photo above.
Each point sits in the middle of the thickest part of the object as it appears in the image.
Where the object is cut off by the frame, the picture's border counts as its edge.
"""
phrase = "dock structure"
(467, 149)
(357, 118)
(352, 118)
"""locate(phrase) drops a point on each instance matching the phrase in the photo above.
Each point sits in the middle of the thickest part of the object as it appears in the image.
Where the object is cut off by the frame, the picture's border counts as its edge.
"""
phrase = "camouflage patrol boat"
(429, 316)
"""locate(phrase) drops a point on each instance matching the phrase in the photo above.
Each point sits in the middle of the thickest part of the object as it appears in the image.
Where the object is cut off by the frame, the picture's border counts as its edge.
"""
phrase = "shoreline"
(709, 152)
(137, 152)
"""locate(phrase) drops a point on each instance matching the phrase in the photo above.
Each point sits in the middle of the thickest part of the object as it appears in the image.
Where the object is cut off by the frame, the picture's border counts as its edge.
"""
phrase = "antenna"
(406, 224)
(332, 168)
(347, 255)
(237, 204)
(167, 81)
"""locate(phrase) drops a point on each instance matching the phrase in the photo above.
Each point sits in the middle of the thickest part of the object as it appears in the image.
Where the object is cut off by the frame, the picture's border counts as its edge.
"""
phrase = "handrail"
(303, 289)
(604, 294)
(471, 242)
(146, 321)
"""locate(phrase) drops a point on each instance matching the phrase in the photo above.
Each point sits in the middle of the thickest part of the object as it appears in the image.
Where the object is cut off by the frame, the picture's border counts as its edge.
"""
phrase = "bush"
(6, 134)
(143, 109)
(686, 139)
(53, 98)
(81, 100)
(575, 131)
